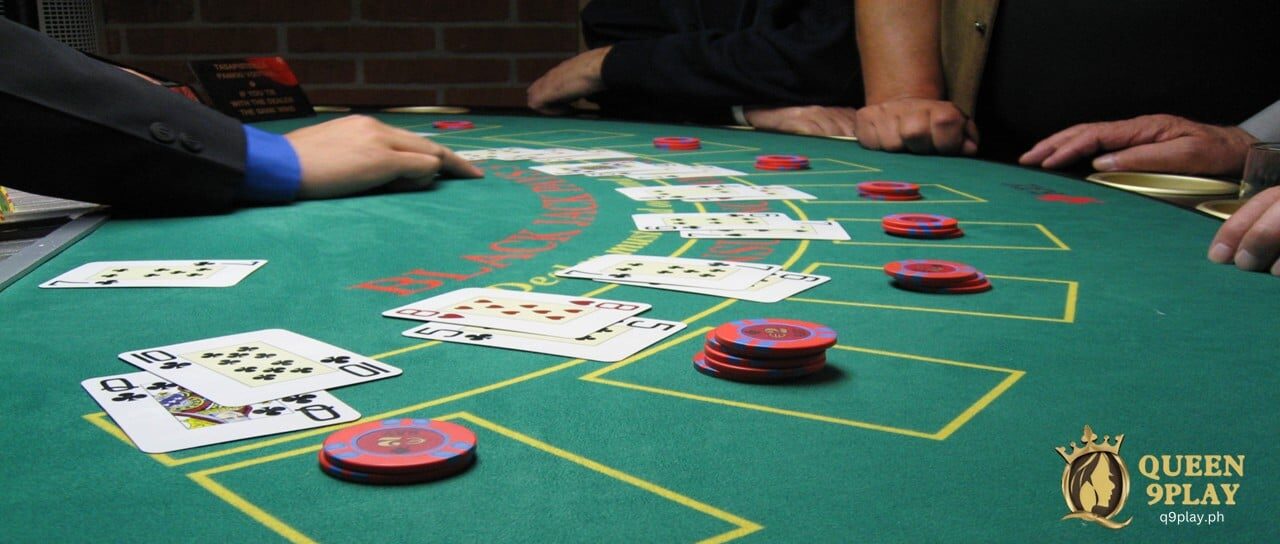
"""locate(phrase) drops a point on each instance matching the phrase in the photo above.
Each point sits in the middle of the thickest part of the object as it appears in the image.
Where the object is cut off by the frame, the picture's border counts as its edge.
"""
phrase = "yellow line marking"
(204, 478)
(979, 406)
(402, 351)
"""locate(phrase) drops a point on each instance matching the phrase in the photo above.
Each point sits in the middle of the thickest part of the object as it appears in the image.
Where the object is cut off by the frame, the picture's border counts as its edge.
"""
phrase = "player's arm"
(906, 107)
(1151, 143)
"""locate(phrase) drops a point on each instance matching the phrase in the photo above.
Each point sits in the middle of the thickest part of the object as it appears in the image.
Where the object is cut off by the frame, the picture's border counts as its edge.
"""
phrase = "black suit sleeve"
(717, 53)
(80, 129)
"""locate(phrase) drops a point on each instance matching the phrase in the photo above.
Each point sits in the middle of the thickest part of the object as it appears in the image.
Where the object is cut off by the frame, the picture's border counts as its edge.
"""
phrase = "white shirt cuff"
(740, 116)
(1265, 125)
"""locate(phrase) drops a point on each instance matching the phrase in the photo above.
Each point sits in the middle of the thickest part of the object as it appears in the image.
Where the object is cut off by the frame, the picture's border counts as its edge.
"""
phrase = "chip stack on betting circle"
(933, 276)
(765, 350)
(889, 190)
(677, 143)
(921, 225)
(782, 162)
(453, 125)
(398, 451)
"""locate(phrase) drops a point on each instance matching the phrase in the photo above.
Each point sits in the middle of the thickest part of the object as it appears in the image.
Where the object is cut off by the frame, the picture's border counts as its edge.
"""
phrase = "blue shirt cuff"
(272, 172)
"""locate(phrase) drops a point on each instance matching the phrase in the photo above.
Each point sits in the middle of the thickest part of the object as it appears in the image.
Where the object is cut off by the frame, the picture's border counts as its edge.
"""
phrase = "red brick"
(510, 40)
(372, 96)
(529, 70)
(550, 11)
(320, 71)
(512, 97)
(434, 11)
(365, 39)
(178, 41)
(432, 71)
(132, 11)
(278, 11)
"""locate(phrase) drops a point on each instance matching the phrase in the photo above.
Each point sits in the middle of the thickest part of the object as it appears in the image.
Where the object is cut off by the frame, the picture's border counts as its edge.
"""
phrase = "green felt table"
(937, 419)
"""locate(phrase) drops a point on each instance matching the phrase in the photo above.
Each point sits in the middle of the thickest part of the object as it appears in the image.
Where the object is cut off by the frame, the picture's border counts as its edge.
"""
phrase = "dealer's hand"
(1150, 143)
(807, 120)
(357, 153)
(917, 125)
(1251, 237)
(570, 80)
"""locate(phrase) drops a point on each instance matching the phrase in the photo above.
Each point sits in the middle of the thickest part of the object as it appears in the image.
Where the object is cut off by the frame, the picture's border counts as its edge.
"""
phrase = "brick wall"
(360, 52)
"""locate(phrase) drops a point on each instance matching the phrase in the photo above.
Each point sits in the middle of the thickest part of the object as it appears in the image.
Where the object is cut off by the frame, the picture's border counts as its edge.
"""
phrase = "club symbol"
(338, 359)
(247, 348)
(285, 362)
(270, 410)
(272, 370)
(210, 355)
(247, 369)
(161, 386)
(174, 364)
(264, 355)
(204, 263)
(302, 370)
(226, 362)
(265, 377)
(107, 282)
(300, 399)
(128, 397)
(478, 337)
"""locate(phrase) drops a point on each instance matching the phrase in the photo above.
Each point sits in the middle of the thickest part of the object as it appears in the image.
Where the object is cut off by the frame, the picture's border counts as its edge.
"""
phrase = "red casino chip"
(924, 233)
(395, 446)
(453, 125)
(925, 221)
(328, 467)
(889, 188)
(976, 285)
(782, 162)
(927, 272)
(677, 143)
(754, 375)
(718, 356)
(771, 337)
(875, 196)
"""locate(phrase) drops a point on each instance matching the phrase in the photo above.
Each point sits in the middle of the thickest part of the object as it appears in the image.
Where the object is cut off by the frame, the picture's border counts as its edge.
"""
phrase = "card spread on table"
(636, 170)
(257, 366)
(775, 288)
(802, 230)
(759, 192)
(671, 271)
(610, 344)
(561, 316)
(698, 221)
(161, 416)
(197, 273)
(713, 191)
(555, 154)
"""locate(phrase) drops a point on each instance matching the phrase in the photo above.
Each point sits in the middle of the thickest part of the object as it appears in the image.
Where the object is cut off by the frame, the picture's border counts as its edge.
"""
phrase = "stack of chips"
(932, 276)
(782, 162)
(765, 350)
(921, 225)
(453, 125)
(889, 190)
(677, 143)
(398, 451)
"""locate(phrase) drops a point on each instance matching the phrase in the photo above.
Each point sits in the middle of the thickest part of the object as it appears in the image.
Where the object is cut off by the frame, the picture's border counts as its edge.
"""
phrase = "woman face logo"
(1094, 484)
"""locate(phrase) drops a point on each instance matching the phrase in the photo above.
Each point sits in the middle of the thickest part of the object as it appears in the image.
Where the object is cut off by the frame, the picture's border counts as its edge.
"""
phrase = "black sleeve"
(723, 53)
(80, 129)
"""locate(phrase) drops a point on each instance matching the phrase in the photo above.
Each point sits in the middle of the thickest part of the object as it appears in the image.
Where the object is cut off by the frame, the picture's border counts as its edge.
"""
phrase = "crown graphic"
(1090, 445)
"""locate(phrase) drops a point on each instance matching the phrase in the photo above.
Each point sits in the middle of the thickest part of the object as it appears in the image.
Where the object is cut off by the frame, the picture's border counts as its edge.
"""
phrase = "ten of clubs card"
(161, 416)
(200, 273)
(545, 314)
(257, 366)
(610, 344)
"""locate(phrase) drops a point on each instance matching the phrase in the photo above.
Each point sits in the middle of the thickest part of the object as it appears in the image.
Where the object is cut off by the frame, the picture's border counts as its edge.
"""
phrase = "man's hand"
(918, 125)
(1251, 237)
(357, 153)
(1150, 143)
(807, 120)
(569, 81)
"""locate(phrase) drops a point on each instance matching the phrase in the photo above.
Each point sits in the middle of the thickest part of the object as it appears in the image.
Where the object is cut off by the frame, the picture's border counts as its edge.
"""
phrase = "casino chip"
(453, 125)
(782, 162)
(889, 190)
(677, 143)
(765, 350)
(398, 451)
(921, 225)
(932, 276)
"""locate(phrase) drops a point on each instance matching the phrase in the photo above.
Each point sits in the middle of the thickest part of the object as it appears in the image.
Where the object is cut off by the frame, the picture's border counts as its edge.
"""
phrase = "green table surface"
(937, 420)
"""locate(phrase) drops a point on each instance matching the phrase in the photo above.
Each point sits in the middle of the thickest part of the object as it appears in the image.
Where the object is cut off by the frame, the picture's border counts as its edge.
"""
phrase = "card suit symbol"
(272, 370)
(152, 275)
(107, 282)
(237, 355)
(542, 312)
(625, 275)
(555, 317)
(338, 359)
(128, 397)
(265, 377)
(247, 348)
(210, 355)
(109, 275)
(450, 316)
(586, 338)
(247, 369)
(717, 264)
(174, 365)
(483, 300)
(572, 311)
(493, 306)
(204, 263)
(226, 362)
(478, 337)
(510, 312)
(463, 308)
(119, 269)
(194, 275)
(161, 386)
(582, 302)
(203, 269)
(301, 370)
(161, 269)
(270, 410)
(300, 399)
(706, 275)
(264, 355)
(528, 305)
(176, 273)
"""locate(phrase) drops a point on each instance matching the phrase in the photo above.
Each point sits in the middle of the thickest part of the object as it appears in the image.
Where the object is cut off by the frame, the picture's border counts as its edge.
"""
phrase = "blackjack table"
(938, 417)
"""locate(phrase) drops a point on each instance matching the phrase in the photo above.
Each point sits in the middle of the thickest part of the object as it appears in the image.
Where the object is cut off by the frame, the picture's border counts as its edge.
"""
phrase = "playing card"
(713, 191)
(679, 171)
(560, 155)
(610, 344)
(804, 230)
(760, 192)
(161, 416)
(607, 168)
(671, 271)
(560, 316)
(699, 221)
(257, 366)
(202, 273)
(777, 287)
